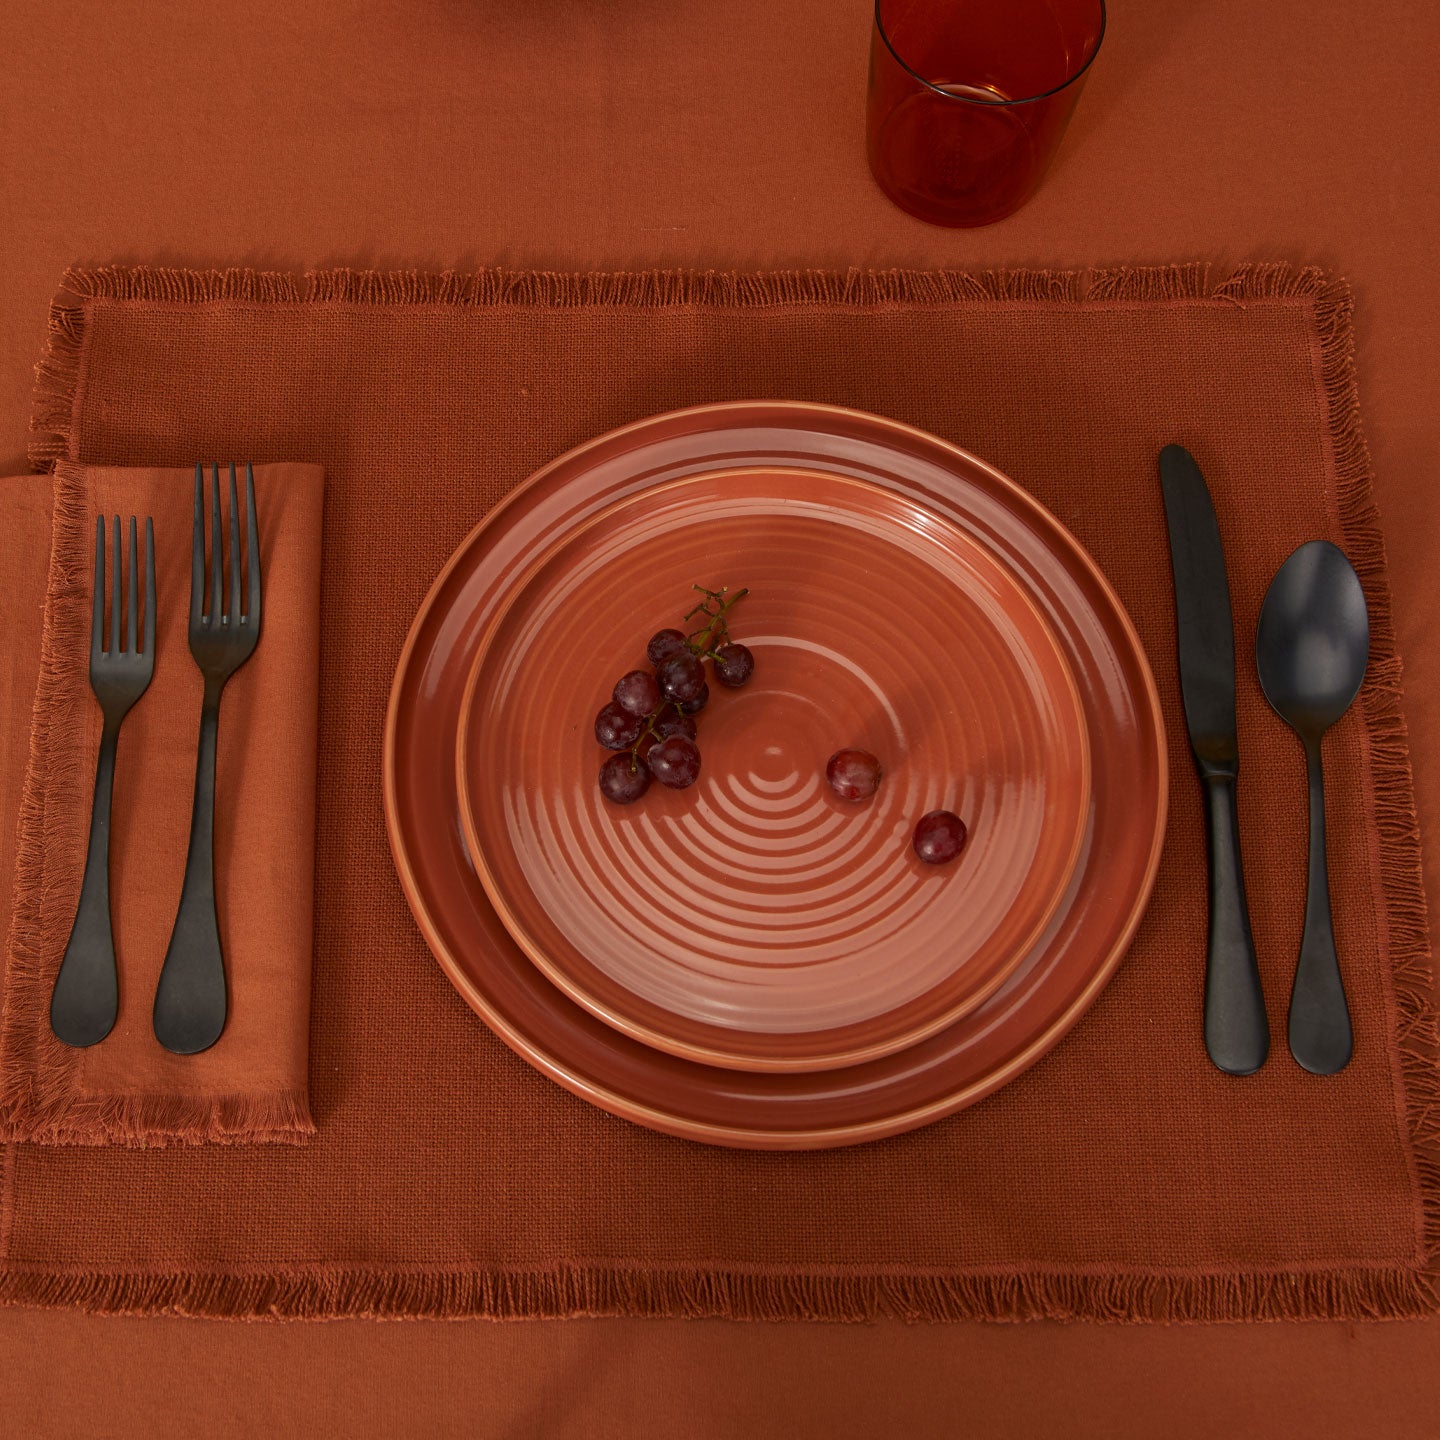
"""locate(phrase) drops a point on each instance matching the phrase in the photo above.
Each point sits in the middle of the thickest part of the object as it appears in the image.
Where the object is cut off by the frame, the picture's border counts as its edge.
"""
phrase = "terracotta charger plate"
(1028, 1014)
(756, 920)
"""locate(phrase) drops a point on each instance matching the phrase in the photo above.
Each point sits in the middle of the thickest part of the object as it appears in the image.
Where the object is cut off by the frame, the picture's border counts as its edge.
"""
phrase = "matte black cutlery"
(1237, 1034)
(1311, 650)
(190, 1000)
(86, 997)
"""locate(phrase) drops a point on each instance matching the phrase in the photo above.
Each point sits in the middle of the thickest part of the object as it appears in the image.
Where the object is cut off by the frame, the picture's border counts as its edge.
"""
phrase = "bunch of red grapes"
(650, 720)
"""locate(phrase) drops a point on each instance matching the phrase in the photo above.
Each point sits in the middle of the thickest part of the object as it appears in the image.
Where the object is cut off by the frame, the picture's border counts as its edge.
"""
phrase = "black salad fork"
(86, 997)
(190, 1000)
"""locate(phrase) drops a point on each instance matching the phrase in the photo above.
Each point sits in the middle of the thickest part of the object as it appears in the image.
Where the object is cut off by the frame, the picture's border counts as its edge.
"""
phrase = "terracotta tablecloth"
(354, 133)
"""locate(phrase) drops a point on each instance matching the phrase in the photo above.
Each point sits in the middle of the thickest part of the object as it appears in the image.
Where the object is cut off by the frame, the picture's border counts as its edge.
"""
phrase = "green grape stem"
(648, 731)
(715, 632)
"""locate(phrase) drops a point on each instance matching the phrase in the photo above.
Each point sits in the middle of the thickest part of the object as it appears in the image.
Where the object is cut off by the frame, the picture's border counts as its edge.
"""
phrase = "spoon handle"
(1237, 1034)
(1320, 1037)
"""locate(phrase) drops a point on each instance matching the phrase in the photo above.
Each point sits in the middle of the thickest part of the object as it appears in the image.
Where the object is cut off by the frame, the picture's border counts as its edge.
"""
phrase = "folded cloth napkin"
(252, 1085)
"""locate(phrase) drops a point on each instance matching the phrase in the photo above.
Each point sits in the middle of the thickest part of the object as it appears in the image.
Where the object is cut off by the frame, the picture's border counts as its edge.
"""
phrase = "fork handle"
(190, 1001)
(86, 997)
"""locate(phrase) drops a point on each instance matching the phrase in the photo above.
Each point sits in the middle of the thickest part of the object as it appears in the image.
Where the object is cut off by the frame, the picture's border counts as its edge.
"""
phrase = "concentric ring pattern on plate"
(1047, 994)
(755, 920)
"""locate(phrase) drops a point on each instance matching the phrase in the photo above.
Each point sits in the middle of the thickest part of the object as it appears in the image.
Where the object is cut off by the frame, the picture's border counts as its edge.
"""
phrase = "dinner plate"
(1042, 999)
(755, 919)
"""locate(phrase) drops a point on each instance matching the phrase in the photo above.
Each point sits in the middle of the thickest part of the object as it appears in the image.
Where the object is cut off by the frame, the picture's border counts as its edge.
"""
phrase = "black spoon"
(1311, 649)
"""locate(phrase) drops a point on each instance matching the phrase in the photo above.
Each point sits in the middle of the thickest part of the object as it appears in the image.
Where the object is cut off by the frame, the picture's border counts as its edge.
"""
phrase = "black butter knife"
(1236, 1032)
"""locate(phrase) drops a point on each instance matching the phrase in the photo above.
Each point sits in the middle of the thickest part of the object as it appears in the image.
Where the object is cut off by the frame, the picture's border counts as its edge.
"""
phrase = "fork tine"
(197, 549)
(233, 613)
(149, 589)
(252, 547)
(97, 613)
(115, 592)
(134, 605)
(217, 545)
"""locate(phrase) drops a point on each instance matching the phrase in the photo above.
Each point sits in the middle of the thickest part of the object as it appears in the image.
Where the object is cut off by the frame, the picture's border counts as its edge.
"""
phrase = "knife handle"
(1237, 1034)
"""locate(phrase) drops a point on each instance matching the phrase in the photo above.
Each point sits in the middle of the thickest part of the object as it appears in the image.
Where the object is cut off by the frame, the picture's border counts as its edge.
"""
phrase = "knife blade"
(1237, 1034)
(1205, 631)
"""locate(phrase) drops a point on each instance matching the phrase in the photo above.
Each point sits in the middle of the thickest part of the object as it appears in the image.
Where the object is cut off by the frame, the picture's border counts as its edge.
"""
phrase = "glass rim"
(975, 100)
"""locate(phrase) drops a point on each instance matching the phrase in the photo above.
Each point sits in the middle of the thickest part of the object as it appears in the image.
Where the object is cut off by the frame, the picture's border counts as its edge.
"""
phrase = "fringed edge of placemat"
(54, 765)
(601, 1289)
(40, 1098)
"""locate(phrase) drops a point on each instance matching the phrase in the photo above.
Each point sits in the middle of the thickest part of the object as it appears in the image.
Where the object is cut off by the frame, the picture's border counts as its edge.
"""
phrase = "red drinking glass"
(969, 99)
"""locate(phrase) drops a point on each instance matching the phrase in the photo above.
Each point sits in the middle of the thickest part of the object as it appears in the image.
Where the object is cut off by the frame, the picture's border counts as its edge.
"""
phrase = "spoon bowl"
(1311, 650)
(1314, 638)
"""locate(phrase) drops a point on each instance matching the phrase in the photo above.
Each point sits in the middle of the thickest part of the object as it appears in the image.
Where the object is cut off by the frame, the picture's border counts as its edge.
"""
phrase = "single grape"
(665, 643)
(675, 724)
(939, 837)
(734, 664)
(695, 706)
(681, 677)
(637, 693)
(623, 779)
(616, 729)
(853, 774)
(675, 762)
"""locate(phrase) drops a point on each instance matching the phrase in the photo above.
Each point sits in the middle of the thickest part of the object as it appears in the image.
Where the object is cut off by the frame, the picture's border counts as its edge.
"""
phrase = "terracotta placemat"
(1123, 1177)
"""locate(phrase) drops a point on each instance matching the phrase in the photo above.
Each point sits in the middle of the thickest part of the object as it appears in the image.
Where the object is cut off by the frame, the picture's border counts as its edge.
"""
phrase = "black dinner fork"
(86, 997)
(190, 1000)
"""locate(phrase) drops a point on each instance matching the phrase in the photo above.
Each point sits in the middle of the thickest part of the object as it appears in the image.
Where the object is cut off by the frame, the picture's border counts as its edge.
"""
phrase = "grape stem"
(715, 632)
(649, 732)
